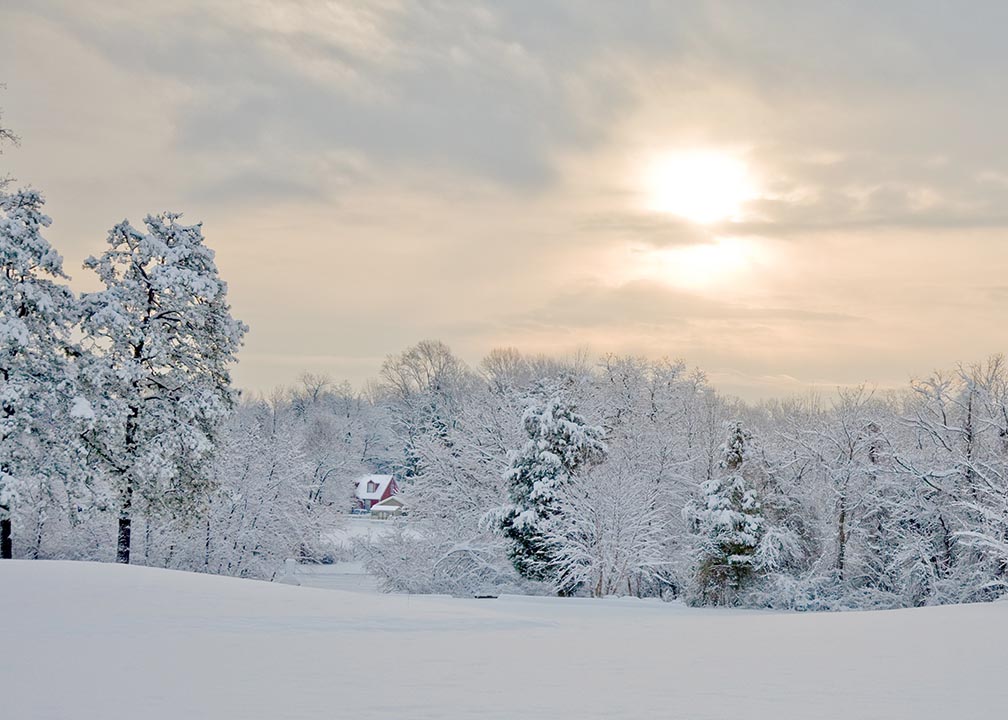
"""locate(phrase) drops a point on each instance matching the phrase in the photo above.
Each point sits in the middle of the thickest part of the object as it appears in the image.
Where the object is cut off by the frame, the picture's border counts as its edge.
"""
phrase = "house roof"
(382, 481)
(389, 504)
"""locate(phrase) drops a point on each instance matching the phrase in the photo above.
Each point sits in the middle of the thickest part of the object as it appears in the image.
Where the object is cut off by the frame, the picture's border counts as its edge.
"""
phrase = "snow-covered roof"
(390, 504)
(393, 501)
(382, 482)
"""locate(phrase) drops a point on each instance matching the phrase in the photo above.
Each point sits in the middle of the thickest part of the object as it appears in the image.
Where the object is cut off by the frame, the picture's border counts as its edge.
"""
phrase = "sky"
(788, 195)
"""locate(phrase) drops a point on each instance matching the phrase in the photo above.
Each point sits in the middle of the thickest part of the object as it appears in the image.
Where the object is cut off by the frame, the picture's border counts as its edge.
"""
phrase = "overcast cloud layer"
(375, 174)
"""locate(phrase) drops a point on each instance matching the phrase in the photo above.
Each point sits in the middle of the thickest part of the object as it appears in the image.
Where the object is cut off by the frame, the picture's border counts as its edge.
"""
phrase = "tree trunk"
(125, 525)
(39, 529)
(126, 513)
(6, 547)
(206, 550)
(123, 547)
(842, 537)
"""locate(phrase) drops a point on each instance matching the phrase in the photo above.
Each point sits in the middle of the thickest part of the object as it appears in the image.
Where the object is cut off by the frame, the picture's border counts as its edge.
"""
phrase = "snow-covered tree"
(459, 477)
(729, 523)
(37, 312)
(986, 460)
(161, 340)
(609, 532)
(955, 460)
(423, 387)
(664, 427)
(343, 435)
(851, 447)
(561, 446)
(260, 512)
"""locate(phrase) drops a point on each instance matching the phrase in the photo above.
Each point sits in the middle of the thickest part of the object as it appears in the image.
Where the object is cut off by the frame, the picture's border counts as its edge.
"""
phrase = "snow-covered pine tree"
(729, 524)
(561, 445)
(37, 311)
(161, 339)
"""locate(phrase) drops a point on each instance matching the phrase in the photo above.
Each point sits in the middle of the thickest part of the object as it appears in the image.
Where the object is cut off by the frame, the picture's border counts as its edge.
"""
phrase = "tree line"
(632, 476)
(122, 438)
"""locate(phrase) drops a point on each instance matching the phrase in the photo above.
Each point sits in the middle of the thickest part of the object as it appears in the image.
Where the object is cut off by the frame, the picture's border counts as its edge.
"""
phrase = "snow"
(81, 409)
(354, 529)
(387, 506)
(87, 640)
(339, 576)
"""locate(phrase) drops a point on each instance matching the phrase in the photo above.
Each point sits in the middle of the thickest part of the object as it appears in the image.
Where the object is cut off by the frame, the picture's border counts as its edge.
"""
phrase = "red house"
(373, 489)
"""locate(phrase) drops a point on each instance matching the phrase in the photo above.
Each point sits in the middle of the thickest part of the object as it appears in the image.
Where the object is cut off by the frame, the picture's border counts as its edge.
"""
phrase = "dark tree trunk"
(122, 550)
(6, 546)
(206, 550)
(125, 525)
(126, 512)
(123, 546)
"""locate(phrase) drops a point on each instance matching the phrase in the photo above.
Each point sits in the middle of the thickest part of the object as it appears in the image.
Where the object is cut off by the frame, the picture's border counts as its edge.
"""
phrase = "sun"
(702, 186)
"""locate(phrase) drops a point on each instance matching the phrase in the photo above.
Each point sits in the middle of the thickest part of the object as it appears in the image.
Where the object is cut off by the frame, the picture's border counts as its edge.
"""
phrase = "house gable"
(372, 489)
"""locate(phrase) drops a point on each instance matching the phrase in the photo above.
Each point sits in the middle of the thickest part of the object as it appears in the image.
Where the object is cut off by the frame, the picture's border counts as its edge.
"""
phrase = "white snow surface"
(353, 530)
(87, 640)
(350, 576)
(81, 409)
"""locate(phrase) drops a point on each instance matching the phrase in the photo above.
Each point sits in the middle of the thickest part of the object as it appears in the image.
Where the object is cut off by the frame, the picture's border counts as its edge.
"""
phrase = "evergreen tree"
(161, 340)
(37, 311)
(729, 523)
(561, 445)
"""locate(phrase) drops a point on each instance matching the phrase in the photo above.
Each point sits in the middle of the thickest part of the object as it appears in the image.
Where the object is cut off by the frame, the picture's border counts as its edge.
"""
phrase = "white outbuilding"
(387, 508)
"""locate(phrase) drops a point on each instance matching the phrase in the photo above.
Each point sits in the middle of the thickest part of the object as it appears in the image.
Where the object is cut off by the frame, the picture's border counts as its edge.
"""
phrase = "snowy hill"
(86, 641)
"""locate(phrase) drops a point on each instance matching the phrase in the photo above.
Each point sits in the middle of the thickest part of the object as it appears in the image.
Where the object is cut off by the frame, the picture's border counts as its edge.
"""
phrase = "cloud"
(416, 86)
(373, 173)
(653, 303)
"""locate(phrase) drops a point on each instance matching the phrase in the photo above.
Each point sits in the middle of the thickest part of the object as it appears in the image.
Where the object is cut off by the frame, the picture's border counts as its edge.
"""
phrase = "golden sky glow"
(788, 197)
(721, 266)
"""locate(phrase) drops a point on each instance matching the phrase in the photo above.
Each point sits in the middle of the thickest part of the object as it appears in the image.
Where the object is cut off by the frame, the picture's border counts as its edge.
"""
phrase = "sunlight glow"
(721, 264)
(702, 186)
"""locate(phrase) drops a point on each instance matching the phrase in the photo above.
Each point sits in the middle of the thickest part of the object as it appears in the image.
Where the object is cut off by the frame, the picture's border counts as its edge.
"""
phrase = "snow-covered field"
(83, 640)
(339, 576)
